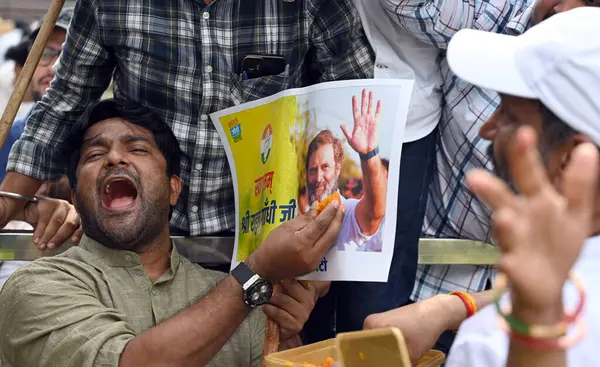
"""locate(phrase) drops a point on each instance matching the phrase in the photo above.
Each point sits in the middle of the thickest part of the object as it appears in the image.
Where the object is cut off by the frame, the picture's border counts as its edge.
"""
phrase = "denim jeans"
(348, 303)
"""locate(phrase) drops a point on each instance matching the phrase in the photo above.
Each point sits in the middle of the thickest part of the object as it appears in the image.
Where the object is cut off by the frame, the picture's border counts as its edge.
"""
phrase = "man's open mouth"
(118, 193)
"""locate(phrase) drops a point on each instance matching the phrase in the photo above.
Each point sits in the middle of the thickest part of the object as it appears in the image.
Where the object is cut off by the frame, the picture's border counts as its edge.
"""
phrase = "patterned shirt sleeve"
(44, 327)
(436, 21)
(82, 74)
(342, 50)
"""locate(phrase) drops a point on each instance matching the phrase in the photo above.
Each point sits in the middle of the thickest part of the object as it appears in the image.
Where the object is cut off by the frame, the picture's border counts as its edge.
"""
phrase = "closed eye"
(93, 156)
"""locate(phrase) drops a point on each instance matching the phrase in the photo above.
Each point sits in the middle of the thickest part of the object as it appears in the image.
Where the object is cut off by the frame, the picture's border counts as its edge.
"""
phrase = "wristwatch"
(257, 291)
(369, 155)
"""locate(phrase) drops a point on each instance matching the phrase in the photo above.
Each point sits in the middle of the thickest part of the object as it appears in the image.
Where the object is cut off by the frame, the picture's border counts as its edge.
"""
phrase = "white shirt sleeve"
(350, 237)
(479, 342)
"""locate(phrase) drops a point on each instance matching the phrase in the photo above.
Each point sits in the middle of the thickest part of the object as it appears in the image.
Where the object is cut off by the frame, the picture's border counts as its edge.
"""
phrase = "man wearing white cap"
(548, 80)
(452, 211)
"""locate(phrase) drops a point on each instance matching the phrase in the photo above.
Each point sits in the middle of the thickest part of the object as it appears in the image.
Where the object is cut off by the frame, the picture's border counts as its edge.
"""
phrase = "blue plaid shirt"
(452, 212)
(182, 59)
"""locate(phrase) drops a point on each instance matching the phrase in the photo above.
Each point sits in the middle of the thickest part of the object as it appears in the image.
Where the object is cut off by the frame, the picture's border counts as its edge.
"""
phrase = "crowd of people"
(502, 87)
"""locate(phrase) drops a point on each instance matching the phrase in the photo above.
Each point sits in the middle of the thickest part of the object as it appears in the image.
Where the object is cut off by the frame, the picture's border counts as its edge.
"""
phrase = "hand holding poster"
(302, 145)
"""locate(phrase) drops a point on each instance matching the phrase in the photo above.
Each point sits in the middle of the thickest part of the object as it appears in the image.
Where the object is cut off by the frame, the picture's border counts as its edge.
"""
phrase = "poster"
(299, 146)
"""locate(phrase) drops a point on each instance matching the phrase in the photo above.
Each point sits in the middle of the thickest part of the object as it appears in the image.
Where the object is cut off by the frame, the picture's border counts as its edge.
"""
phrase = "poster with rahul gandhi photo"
(301, 146)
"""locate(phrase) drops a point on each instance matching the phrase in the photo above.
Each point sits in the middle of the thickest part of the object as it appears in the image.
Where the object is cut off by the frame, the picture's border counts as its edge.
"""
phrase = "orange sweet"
(328, 362)
(333, 197)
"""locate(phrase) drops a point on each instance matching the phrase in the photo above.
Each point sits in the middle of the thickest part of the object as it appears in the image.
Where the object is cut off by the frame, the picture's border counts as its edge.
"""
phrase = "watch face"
(259, 293)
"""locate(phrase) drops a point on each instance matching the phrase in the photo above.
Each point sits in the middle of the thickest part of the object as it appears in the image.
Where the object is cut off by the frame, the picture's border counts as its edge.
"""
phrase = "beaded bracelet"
(561, 343)
(538, 331)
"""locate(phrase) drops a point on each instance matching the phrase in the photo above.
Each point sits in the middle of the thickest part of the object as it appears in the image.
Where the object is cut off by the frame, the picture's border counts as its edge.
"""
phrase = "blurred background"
(25, 10)
(17, 19)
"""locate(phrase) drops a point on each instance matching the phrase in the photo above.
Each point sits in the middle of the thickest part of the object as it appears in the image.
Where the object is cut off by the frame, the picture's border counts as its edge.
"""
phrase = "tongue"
(121, 202)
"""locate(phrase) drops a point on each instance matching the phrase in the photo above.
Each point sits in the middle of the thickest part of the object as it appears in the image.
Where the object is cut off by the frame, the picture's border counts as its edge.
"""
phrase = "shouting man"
(125, 296)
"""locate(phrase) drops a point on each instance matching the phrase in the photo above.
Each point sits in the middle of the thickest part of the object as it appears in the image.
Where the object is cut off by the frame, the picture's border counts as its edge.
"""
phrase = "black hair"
(19, 52)
(131, 112)
(23, 26)
(554, 130)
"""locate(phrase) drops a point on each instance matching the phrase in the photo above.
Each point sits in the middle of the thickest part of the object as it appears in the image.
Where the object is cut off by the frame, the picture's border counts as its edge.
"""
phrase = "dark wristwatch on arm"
(257, 291)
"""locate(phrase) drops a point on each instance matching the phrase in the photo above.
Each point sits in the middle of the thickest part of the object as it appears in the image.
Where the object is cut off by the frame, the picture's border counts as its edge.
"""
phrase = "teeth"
(107, 189)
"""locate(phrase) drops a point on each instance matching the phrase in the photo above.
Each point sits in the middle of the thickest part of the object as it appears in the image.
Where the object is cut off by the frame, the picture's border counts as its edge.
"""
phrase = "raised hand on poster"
(364, 138)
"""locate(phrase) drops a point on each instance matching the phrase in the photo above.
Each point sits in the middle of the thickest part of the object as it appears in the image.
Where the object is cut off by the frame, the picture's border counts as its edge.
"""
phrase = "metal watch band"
(371, 154)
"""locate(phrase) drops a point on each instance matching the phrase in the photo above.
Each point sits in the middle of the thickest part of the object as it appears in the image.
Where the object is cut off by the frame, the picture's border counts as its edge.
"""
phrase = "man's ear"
(175, 183)
(565, 152)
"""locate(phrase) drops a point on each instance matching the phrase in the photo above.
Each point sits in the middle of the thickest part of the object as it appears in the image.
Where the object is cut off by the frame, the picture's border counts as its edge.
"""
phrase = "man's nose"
(116, 157)
(320, 175)
(489, 128)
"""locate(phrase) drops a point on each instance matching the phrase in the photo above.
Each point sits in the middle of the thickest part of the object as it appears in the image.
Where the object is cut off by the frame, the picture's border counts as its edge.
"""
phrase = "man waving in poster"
(324, 161)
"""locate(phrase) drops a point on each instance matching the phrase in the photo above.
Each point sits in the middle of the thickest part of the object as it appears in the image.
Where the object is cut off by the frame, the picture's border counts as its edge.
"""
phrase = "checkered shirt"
(182, 60)
(452, 212)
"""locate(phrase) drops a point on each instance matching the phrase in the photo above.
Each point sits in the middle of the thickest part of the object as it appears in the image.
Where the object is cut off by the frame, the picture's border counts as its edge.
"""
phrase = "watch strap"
(243, 274)
(371, 154)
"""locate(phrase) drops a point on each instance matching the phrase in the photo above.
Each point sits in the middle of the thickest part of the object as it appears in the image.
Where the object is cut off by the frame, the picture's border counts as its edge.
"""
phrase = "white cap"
(556, 62)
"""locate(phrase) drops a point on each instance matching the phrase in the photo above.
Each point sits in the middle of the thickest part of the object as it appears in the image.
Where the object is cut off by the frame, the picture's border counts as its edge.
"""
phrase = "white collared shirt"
(399, 55)
(480, 342)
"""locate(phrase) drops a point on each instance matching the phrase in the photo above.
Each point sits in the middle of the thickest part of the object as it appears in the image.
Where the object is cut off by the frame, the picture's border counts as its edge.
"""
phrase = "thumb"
(346, 132)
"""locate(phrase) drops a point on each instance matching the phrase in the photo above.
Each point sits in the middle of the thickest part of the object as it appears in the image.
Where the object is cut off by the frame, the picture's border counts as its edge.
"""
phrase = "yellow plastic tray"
(380, 348)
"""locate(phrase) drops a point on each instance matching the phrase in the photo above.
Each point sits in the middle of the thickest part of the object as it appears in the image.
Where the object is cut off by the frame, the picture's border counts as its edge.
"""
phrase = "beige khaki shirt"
(82, 307)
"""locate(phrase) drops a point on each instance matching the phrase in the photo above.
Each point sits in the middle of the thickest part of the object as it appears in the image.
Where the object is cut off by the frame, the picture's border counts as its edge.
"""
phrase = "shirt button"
(194, 208)
(127, 258)
(208, 69)
(198, 166)
(154, 291)
(205, 15)
(204, 117)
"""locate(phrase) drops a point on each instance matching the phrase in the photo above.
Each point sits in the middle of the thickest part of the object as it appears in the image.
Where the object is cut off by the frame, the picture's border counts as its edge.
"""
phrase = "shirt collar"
(123, 258)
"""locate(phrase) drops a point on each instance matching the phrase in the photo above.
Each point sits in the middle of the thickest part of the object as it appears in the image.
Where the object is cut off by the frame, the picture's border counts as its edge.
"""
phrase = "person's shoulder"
(70, 265)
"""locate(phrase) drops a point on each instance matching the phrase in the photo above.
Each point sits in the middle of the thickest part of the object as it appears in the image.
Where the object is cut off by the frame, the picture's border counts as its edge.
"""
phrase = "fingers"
(301, 221)
(77, 235)
(50, 218)
(581, 180)
(355, 110)
(324, 243)
(525, 163)
(55, 221)
(317, 227)
(365, 101)
(288, 312)
(301, 292)
(321, 287)
(370, 109)
(378, 111)
(286, 322)
(491, 190)
(67, 230)
(507, 228)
